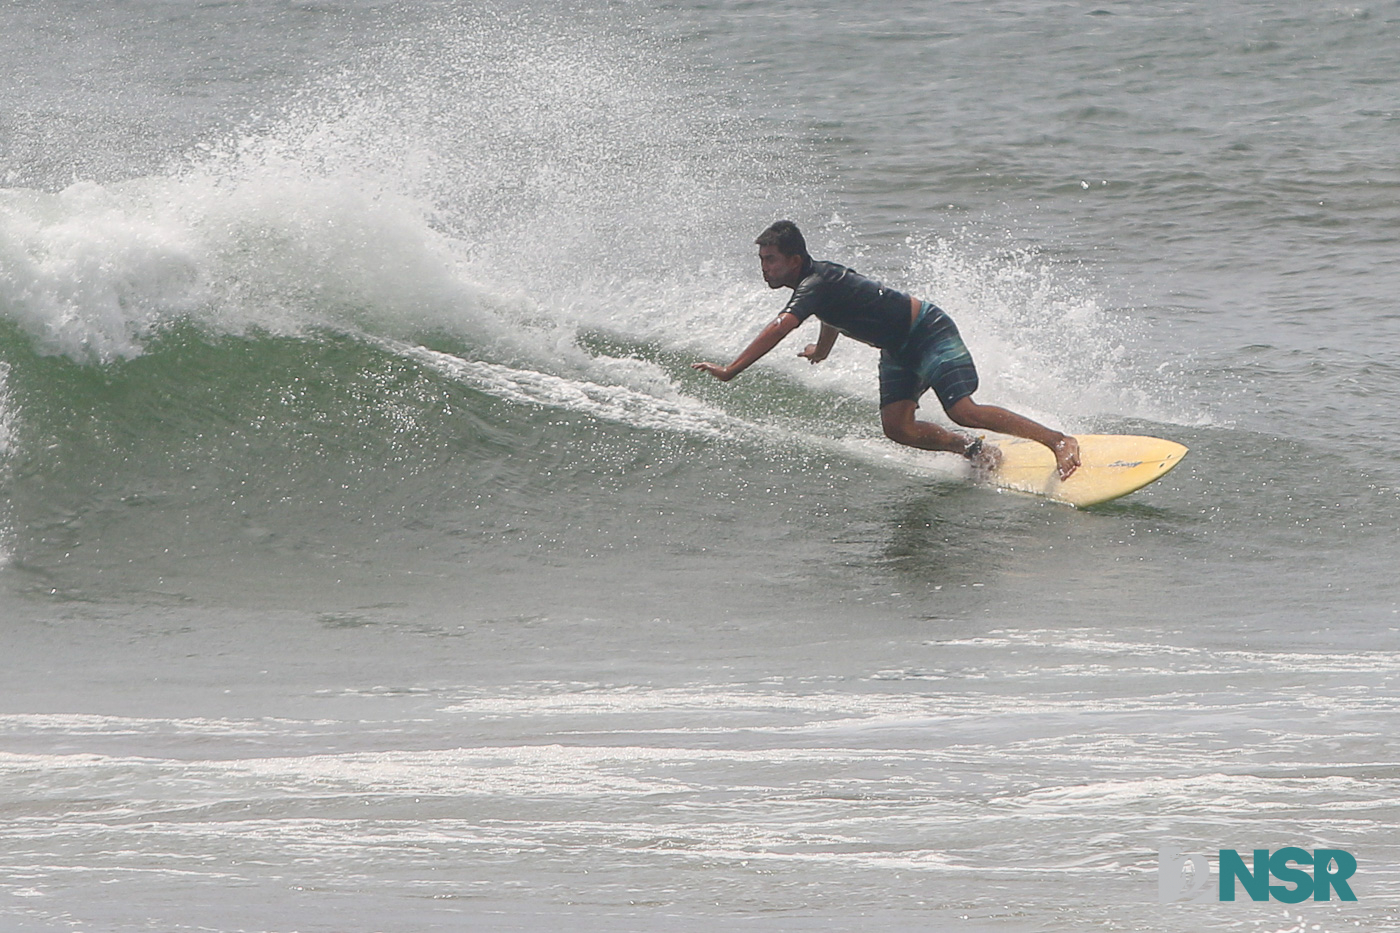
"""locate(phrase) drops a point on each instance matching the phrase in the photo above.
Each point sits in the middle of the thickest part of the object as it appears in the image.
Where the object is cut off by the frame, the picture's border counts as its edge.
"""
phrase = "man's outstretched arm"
(767, 339)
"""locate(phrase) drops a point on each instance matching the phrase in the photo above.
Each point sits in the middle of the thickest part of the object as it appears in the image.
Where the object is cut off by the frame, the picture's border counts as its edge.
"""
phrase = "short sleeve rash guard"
(858, 307)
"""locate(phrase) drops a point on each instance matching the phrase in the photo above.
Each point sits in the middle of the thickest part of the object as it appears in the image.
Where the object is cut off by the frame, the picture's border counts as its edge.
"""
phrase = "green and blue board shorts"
(933, 356)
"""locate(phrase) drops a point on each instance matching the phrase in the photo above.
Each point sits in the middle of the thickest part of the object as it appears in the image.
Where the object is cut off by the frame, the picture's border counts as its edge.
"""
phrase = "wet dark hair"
(786, 237)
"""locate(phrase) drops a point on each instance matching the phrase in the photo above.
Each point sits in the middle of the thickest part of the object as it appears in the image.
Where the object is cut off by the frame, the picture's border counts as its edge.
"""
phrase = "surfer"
(920, 349)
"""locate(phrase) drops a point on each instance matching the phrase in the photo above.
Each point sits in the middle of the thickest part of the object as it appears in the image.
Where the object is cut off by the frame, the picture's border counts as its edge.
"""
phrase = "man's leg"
(969, 414)
(899, 423)
(897, 418)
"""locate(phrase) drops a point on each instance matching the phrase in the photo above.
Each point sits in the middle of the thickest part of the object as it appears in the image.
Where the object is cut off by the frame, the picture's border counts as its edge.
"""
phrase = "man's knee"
(898, 422)
(899, 433)
(965, 413)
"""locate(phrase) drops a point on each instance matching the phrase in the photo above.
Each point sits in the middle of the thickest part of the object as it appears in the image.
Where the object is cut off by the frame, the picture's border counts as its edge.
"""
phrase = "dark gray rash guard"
(858, 307)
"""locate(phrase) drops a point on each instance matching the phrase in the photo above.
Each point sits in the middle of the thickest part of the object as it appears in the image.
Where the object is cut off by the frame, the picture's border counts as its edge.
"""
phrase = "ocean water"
(374, 561)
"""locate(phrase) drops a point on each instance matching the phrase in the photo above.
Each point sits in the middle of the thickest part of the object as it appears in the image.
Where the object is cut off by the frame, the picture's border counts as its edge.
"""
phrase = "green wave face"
(260, 467)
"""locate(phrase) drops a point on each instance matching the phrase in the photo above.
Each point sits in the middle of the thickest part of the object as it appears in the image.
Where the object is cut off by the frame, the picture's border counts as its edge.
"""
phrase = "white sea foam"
(664, 410)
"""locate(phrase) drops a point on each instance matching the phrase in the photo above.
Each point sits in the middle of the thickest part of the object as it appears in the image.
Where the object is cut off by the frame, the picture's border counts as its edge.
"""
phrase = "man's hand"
(768, 338)
(721, 373)
(816, 352)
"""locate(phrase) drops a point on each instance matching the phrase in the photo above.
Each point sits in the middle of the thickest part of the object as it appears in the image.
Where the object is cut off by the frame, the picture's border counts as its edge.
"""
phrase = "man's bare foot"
(1066, 456)
(984, 456)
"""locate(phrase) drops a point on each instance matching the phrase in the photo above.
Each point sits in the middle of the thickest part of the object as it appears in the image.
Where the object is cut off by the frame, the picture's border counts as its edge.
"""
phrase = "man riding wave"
(920, 349)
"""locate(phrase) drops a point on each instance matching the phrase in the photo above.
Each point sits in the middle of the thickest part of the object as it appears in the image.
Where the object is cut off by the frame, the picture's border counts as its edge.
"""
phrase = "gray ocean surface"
(374, 561)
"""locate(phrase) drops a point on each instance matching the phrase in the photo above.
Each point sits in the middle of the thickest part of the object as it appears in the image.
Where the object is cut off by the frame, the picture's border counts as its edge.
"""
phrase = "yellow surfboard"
(1112, 465)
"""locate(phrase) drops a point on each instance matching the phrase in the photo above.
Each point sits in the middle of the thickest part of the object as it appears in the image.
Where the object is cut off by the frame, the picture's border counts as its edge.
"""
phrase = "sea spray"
(525, 196)
(1043, 340)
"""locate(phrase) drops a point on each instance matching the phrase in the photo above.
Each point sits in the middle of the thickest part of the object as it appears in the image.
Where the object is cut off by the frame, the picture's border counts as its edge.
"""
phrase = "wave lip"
(88, 271)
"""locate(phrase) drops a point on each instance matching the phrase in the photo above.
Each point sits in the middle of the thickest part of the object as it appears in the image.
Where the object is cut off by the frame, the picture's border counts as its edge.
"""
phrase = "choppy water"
(373, 560)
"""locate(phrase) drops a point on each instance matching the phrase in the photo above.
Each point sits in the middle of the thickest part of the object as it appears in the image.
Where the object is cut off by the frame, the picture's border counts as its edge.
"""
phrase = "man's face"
(779, 269)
